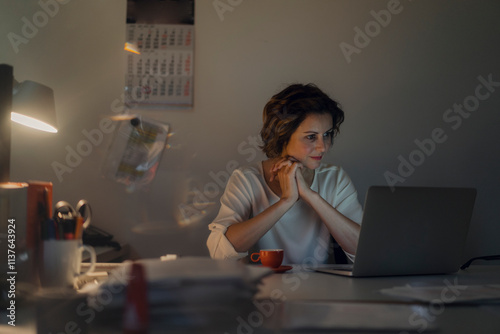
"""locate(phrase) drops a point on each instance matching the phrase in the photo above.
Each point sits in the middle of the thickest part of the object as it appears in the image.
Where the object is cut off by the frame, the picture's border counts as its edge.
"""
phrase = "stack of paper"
(185, 293)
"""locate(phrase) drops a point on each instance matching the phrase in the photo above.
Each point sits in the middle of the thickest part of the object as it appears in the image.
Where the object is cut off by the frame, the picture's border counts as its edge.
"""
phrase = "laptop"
(410, 231)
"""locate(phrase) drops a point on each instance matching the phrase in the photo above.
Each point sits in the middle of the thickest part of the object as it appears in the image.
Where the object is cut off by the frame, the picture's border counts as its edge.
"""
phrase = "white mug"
(61, 262)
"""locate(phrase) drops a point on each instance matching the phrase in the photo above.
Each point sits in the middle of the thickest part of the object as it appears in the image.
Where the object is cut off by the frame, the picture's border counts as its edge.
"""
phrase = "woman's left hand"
(302, 186)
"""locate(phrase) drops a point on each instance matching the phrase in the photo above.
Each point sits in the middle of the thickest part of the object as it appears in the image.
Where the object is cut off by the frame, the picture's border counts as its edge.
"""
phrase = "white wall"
(395, 90)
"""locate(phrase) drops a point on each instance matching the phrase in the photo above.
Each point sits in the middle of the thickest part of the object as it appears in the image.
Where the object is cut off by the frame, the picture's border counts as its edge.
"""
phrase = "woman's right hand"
(284, 170)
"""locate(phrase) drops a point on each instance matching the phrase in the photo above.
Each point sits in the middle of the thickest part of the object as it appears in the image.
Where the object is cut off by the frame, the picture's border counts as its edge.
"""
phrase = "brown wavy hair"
(286, 110)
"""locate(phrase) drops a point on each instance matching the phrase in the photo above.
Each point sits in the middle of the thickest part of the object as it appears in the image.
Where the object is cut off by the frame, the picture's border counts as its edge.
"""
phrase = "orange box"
(39, 196)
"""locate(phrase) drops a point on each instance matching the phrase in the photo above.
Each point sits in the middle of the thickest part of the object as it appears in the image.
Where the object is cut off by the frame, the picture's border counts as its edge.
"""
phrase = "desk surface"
(299, 284)
(302, 285)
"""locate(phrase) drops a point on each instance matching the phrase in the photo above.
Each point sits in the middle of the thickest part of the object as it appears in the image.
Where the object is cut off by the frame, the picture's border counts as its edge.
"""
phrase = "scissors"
(67, 218)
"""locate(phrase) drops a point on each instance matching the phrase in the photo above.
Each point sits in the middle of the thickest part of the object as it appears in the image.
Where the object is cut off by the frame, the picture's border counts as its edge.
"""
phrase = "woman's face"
(311, 140)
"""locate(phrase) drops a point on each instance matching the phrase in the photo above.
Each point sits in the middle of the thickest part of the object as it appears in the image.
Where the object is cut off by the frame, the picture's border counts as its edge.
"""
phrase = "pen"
(69, 226)
(79, 227)
(59, 229)
(50, 228)
(44, 229)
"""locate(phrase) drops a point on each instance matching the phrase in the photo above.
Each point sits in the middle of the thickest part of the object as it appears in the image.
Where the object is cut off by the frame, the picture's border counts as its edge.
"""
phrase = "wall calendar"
(159, 65)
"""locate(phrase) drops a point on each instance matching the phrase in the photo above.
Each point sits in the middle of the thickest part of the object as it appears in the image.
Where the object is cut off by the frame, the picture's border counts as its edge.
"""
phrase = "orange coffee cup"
(269, 257)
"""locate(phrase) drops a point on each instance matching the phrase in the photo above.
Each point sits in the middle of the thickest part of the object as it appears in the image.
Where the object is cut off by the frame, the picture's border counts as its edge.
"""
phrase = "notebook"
(410, 231)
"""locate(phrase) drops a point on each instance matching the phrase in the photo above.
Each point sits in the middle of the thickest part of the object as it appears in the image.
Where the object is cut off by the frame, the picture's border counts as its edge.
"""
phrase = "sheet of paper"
(352, 316)
(448, 293)
(23, 329)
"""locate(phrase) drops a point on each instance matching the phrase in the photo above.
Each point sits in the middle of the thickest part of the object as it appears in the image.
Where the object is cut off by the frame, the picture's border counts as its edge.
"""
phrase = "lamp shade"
(33, 105)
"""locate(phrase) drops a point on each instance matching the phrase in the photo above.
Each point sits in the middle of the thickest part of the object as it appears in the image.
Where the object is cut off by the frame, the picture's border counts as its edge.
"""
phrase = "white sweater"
(299, 232)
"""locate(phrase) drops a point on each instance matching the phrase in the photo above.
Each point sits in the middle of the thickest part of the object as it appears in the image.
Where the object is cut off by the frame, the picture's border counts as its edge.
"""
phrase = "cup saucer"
(281, 269)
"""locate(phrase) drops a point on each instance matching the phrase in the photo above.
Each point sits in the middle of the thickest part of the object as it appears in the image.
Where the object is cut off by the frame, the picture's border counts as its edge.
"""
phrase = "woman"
(292, 200)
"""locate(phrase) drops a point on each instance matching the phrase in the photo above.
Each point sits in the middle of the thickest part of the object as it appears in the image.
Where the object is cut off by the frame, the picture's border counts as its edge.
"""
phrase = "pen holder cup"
(62, 260)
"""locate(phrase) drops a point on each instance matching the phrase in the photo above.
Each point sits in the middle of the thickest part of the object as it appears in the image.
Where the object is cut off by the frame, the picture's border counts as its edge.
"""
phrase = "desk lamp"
(28, 103)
